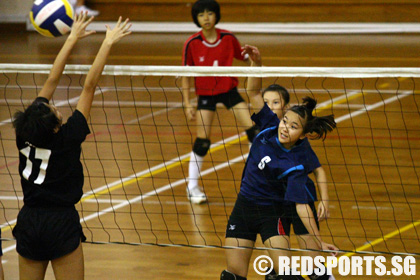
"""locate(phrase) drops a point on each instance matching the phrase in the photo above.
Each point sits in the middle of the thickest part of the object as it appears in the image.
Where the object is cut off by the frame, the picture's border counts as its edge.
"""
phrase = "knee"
(201, 146)
(226, 275)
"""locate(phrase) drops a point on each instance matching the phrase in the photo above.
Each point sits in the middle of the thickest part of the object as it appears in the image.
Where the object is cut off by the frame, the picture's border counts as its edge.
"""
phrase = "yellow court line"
(162, 169)
(379, 240)
(338, 102)
(383, 85)
(384, 238)
(157, 171)
(212, 150)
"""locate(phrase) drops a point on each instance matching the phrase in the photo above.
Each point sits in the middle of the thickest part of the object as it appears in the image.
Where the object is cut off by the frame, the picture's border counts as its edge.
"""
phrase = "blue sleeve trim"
(306, 188)
(270, 128)
(298, 167)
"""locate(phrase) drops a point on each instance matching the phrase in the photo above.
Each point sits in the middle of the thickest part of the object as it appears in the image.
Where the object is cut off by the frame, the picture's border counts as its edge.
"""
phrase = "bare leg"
(204, 121)
(278, 242)
(242, 116)
(1, 270)
(31, 270)
(70, 266)
(238, 259)
(307, 241)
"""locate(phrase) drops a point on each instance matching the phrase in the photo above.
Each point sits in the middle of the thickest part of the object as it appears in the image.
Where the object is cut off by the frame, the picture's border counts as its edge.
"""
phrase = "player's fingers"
(89, 32)
(119, 21)
(125, 23)
(82, 17)
(127, 27)
(89, 20)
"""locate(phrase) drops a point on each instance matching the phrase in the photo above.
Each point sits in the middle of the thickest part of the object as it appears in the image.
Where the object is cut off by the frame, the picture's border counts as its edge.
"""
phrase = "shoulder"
(196, 36)
(76, 125)
(224, 31)
(226, 34)
(302, 146)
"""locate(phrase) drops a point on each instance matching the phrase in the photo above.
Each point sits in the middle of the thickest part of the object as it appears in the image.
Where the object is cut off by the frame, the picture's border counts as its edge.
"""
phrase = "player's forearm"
(186, 91)
(58, 68)
(321, 179)
(305, 214)
(61, 59)
(85, 102)
(253, 90)
(254, 83)
(98, 65)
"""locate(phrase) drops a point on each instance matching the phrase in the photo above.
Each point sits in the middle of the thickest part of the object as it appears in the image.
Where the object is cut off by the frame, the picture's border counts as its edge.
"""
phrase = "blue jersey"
(273, 173)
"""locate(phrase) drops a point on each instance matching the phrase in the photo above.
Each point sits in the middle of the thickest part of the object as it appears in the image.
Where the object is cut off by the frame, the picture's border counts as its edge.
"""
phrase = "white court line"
(210, 170)
(141, 197)
(156, 167)
(373, 106)
(161, 189)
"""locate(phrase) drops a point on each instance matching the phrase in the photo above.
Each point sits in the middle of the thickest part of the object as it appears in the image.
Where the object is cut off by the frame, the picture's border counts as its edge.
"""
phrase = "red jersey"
(199, 52)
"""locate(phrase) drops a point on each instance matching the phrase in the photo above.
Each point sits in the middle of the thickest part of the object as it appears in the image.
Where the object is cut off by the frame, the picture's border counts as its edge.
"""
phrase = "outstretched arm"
(254, 84)
(78, 31)
(305, 214)
(112, 36)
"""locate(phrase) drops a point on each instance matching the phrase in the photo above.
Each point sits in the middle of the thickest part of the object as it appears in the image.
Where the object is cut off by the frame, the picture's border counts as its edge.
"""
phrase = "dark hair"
(280, 90)
(36, 124)
(202, 5)
(318, 125)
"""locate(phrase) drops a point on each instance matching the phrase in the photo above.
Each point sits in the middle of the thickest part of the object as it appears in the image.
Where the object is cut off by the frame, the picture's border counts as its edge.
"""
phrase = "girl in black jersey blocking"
(48, 225)
(275, 175)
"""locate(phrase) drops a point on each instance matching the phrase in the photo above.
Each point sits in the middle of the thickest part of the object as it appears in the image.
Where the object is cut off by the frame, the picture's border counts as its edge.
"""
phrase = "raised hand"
(80, 23)
(120, 30)
(254, 54)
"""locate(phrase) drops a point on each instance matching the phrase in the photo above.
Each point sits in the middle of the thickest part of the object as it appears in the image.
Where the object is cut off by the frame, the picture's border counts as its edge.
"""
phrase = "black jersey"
(52, 175)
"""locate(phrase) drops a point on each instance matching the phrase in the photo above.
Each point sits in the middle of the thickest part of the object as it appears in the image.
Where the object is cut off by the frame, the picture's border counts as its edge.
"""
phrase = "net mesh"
(136, 157)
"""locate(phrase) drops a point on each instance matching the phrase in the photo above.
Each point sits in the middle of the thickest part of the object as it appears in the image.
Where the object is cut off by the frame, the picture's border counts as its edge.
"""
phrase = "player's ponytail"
(318, 127)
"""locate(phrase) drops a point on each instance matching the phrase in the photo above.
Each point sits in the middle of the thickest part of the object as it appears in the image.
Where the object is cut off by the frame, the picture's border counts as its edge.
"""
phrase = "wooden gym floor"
(370, 197)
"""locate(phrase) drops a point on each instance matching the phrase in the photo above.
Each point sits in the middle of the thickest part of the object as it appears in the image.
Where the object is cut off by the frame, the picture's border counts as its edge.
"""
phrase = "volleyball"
(52, 18)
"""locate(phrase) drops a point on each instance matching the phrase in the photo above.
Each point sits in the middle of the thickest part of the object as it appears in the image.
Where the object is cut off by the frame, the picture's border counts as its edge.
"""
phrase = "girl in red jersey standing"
(210, 47)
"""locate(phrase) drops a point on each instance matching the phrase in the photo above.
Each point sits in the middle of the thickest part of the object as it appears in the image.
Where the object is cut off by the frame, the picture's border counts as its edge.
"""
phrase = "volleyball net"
(136, 157)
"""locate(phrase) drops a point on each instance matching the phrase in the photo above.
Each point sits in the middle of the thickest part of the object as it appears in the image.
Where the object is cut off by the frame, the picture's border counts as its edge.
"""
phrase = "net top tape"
(235, 71)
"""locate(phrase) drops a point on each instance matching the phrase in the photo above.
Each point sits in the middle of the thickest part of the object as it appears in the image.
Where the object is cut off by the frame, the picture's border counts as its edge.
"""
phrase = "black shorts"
(47, 233)
(249, 219)
(229, 99)
(293, 217)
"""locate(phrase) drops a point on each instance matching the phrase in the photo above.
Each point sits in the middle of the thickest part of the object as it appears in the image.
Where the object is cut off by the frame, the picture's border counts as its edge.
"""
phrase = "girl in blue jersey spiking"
(277, 99)
(275, 181)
